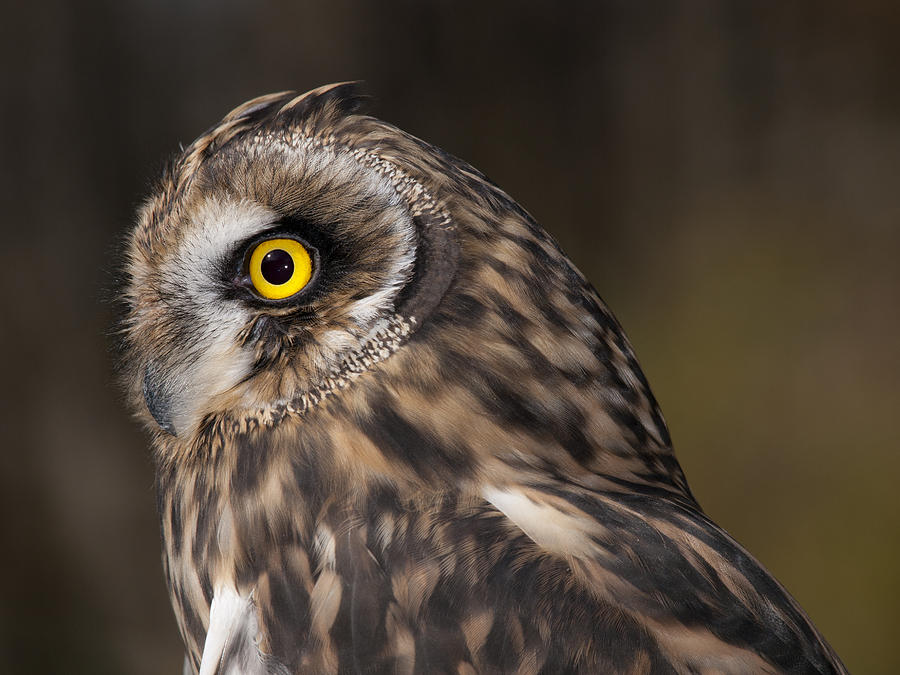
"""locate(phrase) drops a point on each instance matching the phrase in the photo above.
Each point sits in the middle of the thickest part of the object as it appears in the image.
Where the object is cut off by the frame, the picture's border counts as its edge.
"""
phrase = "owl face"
(259, 268)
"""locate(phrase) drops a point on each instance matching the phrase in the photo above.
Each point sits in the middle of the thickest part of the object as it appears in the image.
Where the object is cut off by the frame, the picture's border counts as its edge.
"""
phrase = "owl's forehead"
(237, 190)
(285, 170)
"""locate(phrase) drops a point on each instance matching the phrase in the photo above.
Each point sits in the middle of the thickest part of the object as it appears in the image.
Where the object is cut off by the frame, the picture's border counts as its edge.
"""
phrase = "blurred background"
(726, 173)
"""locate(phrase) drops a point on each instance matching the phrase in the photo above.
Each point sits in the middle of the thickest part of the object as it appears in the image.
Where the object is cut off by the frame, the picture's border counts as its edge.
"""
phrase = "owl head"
(301, 255)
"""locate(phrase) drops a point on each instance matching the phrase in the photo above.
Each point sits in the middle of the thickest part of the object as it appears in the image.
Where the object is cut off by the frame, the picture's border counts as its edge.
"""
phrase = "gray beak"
(158, 398)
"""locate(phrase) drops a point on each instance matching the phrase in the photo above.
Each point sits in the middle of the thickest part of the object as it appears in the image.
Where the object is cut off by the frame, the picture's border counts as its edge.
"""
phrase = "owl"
(397, 431)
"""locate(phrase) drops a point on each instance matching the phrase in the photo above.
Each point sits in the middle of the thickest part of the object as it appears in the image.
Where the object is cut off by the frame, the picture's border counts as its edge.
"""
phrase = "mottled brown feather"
(469, 476)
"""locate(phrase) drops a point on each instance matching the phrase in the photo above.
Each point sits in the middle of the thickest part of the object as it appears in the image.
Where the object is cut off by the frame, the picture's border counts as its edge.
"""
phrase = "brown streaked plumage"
(440, 456)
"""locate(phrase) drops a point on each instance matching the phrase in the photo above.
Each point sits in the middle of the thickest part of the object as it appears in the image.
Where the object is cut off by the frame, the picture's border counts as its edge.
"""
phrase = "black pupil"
(277, 267)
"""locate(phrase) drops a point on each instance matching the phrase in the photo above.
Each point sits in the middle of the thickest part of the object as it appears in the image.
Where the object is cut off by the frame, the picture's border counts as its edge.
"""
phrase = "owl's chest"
(321, 578)
(263, 543)
(193, 526)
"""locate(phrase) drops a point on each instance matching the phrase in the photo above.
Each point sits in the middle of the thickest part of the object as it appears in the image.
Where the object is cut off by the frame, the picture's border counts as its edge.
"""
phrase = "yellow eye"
(279, 268)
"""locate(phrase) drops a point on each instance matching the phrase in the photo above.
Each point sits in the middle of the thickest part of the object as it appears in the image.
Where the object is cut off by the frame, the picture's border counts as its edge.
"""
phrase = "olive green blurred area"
(726, 173)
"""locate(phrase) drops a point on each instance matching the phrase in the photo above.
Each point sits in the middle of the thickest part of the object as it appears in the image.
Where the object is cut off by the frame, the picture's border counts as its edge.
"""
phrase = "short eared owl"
(397, 431)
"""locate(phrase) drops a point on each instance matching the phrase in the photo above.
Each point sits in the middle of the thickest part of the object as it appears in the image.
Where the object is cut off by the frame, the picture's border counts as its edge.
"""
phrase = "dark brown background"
(725, 172)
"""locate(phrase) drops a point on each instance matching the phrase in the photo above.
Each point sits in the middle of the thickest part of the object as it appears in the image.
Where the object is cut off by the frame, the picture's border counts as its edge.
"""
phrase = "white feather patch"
(545, 524)
(230, 646)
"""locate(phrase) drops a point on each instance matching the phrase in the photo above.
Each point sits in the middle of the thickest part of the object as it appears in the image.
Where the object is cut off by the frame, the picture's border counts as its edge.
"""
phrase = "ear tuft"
(320, 109)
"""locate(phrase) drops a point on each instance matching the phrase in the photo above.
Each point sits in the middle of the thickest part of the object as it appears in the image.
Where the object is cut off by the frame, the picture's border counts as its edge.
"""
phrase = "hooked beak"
(158, 399)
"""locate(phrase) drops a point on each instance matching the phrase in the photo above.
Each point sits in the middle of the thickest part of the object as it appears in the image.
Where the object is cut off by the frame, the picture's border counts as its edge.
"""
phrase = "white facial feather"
(216, 362)
(216, 228)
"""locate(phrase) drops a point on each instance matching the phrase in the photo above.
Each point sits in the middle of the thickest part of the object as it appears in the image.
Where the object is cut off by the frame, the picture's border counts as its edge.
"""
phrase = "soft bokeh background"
(725, 172)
